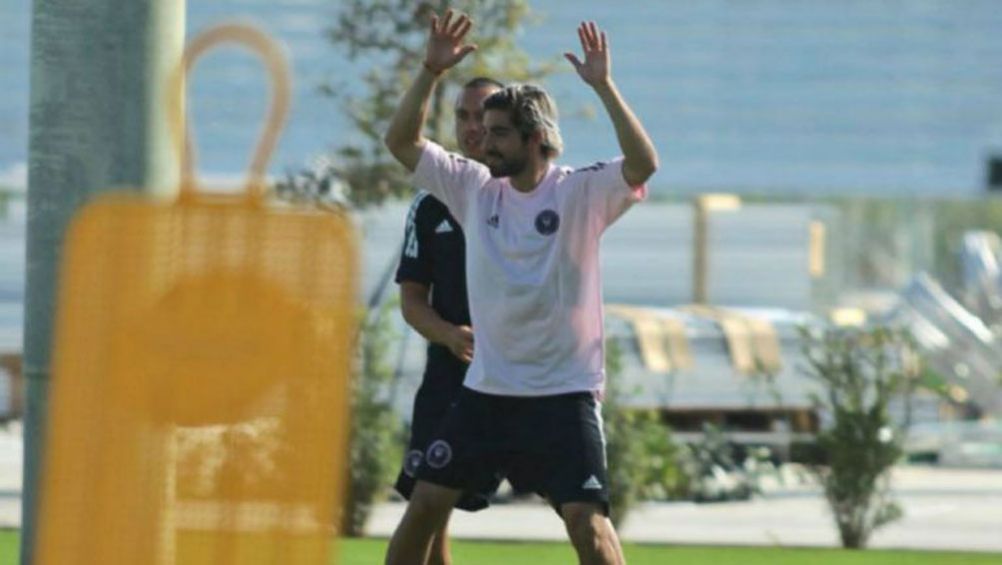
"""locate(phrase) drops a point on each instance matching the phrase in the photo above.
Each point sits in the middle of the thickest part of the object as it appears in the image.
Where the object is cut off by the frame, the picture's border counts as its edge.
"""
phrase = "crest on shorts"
(412, 461)
(547, 222)
(439, 454)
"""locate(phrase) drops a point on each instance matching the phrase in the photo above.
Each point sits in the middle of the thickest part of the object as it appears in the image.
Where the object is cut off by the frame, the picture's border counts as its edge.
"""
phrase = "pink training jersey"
(533, 270)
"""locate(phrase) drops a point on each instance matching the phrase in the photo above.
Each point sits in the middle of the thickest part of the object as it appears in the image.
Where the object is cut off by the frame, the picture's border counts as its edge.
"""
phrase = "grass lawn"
(370, 552)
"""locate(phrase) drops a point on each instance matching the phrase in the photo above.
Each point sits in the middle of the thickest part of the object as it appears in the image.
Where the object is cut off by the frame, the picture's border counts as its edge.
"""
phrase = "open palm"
(445, 41)
(596, 65)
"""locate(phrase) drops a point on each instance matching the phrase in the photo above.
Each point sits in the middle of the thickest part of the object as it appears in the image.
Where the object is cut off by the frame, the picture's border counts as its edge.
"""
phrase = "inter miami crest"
(412, 461)
(439, 454)
(547, 222)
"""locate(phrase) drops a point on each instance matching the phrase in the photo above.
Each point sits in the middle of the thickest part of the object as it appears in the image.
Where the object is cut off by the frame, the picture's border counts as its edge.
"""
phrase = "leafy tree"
(390, 36)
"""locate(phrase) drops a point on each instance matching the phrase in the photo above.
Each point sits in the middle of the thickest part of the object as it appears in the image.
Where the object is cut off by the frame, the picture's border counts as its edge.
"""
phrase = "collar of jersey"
(532, 193)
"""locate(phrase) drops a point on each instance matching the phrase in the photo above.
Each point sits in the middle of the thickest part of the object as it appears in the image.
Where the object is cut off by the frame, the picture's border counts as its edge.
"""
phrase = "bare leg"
(440, 554)
(427, 512)
(592, 534)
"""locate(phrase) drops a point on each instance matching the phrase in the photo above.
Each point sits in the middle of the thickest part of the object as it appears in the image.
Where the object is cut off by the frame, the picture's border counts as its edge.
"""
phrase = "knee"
(586, 525)
(431, 504)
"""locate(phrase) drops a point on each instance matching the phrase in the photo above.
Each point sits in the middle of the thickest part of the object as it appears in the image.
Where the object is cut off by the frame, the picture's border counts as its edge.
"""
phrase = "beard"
(501, 167)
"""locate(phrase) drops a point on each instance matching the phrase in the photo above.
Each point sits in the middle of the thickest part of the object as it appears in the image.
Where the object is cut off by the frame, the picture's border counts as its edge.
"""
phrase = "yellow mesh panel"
(199, 407)
(200, 382)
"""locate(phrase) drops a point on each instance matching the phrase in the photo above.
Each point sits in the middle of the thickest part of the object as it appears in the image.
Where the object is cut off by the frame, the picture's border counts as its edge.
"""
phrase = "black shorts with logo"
(554, 445)
(438, 393)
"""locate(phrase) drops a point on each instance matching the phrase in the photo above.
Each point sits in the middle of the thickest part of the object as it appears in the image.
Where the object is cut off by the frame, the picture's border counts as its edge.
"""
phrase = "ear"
(536, 144)
(536, 139)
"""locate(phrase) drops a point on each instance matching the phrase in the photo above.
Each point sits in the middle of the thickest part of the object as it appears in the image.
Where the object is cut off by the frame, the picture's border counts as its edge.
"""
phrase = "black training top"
(434, 254)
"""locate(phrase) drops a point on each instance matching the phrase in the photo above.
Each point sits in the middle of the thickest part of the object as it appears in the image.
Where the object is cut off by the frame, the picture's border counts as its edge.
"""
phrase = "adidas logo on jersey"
(592, 484)
(444, 227)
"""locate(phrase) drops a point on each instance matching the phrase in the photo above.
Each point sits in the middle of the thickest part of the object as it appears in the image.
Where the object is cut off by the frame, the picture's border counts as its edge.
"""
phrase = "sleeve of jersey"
(450, 177)
(609, 196)
(414, 259)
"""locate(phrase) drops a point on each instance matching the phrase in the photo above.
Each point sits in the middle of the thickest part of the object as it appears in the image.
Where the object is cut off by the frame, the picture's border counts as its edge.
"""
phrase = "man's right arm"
(426, 321)
(404, 138)
(445, 48)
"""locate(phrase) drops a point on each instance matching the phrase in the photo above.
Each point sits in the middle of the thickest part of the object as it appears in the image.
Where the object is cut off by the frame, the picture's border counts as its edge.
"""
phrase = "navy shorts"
(554, 445)
(431, 406)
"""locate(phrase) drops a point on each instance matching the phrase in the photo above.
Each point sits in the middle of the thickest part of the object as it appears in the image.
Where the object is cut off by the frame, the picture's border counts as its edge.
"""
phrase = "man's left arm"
(640, 159)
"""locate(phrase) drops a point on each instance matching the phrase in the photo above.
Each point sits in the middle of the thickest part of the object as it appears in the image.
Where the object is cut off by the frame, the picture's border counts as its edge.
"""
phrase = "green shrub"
(860, 371)
(376, 445)
(643, 458)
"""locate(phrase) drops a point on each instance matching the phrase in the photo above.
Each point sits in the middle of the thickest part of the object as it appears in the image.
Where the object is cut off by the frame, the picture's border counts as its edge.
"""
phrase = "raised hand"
(596, 66)
(445, 42)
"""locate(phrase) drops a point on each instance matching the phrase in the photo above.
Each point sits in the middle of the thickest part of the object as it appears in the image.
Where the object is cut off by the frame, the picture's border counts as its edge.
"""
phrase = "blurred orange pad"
(200, 397)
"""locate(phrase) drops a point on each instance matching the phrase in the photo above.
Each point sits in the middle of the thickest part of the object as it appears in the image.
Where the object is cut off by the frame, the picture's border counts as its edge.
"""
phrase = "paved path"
(944, 509)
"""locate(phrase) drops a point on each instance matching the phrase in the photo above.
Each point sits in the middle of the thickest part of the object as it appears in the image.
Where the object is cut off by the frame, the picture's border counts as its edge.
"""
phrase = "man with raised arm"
(530, 402)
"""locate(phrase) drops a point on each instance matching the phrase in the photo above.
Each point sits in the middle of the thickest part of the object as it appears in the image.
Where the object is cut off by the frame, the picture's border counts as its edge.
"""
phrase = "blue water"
(814, 96)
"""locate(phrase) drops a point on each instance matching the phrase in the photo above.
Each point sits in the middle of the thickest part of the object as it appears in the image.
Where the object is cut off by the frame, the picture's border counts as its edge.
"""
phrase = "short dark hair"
(531, 110)
(482, 82)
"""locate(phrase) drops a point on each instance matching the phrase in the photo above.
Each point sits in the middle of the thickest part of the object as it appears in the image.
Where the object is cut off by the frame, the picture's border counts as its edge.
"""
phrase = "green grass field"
(370, 552)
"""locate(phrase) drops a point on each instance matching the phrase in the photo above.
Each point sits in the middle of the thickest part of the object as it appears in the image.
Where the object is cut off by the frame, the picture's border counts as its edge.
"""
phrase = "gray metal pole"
(96, 123)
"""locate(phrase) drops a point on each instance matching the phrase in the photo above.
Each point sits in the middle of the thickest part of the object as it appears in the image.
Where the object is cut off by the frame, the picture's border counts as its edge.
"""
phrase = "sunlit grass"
(369, 551)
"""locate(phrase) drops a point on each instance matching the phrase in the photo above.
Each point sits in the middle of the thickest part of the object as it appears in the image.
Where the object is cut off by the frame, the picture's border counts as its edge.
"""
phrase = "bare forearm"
(404, 137)
(640, 159)
(445, 48)
(426, 321)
